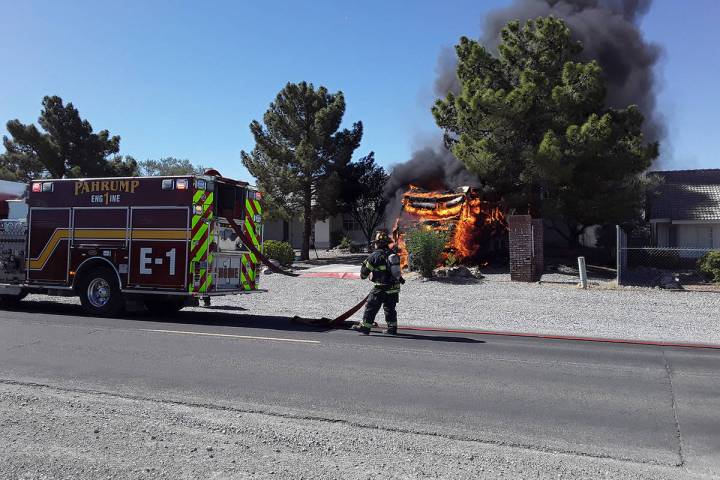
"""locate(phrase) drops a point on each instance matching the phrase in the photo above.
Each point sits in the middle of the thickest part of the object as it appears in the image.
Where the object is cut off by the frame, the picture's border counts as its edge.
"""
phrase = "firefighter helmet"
(382, 238)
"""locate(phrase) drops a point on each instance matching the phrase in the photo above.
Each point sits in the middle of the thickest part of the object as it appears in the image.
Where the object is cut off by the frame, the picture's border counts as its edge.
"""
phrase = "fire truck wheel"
(164, 306)
(100, 293)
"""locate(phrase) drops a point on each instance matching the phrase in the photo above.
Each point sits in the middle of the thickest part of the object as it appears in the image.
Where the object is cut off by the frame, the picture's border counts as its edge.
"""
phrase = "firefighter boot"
(365, 330)
(390, 330)
(390, 314)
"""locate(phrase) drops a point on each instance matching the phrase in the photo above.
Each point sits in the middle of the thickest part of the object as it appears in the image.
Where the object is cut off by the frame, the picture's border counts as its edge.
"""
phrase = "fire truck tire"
(100, 293)
(164, 306)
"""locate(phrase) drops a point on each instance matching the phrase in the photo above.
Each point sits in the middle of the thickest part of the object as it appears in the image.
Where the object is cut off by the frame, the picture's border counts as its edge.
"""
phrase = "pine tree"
(532, 123)
(66, 146)
(299, 151)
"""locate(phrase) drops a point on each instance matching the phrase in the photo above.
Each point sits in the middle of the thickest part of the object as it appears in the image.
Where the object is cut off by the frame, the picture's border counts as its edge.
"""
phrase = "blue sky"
(185, 78)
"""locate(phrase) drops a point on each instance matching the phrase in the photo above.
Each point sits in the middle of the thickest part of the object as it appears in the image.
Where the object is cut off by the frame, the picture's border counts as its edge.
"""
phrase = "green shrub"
(709, 265)
(425, 246)
(345, 243)
(280, 251)
(451, 260)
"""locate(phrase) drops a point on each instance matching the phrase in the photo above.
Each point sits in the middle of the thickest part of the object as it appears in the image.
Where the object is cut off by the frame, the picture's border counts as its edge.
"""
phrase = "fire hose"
(337, 321)
(249, 244)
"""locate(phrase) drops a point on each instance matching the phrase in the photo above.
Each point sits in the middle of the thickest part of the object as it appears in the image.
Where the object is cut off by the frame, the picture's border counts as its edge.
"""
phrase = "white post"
(583, 272)
(618, 253)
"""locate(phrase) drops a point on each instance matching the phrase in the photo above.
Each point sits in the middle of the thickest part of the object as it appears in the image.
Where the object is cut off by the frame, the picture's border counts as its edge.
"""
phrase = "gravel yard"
(555, 306)
(495, 303)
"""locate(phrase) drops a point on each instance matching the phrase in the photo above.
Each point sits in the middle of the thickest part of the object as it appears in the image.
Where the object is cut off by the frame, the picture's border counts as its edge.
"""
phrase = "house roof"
(687, 195)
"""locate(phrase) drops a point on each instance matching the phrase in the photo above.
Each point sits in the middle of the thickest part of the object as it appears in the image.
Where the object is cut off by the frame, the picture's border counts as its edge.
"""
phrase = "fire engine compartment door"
(227, 271)
(100, 227)
(49, 245)
(243, 206)
(159, 247)
(230, 201)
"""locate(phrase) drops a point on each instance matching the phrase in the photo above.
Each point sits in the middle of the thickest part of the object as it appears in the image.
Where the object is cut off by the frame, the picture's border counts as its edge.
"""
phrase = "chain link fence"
(640, 263)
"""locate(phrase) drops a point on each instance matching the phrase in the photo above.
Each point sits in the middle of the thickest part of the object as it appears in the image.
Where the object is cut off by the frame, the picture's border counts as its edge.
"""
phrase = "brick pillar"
(526, 248)
(538, 254)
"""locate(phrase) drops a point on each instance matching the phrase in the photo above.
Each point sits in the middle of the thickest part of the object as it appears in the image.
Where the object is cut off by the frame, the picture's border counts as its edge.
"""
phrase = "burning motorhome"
(474, 226)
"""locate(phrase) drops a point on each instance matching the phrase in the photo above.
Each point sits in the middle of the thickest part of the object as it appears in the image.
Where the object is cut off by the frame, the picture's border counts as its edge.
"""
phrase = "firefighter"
(383, 268)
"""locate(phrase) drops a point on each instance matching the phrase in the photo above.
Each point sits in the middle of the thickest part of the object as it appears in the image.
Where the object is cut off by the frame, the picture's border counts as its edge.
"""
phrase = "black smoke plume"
(609, 32)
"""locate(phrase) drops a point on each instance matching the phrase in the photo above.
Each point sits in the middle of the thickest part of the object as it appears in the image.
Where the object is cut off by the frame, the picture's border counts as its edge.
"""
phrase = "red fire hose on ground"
(336, 322)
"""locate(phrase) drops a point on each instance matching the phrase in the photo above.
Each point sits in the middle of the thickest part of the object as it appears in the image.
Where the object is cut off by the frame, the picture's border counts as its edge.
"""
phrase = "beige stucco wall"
(323, 232)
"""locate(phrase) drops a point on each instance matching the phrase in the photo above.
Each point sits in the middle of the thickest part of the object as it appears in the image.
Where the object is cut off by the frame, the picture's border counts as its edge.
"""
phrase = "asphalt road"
(644, 405)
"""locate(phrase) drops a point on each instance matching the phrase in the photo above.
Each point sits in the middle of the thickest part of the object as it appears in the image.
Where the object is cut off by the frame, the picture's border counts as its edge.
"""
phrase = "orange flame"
(467, 219)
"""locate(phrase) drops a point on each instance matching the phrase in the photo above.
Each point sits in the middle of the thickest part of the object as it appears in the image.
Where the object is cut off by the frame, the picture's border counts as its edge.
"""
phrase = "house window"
(704, 237)
(350, 225)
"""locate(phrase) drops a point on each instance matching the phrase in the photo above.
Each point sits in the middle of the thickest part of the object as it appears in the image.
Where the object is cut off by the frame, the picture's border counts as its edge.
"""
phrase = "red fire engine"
(166, 241)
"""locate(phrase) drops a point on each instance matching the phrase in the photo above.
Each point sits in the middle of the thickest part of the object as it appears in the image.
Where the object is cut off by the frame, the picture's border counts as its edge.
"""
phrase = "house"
(685, 211)
(326, 234)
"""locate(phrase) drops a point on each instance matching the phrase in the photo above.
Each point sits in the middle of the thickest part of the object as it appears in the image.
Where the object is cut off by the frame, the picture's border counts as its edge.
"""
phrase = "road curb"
(340, 275)
(566, 337)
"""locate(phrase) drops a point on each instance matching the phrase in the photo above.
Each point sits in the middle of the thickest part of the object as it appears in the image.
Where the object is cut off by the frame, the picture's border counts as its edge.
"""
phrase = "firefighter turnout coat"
(386, 291)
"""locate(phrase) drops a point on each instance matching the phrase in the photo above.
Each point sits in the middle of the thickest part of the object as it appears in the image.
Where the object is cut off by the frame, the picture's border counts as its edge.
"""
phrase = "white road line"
(245, 337)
